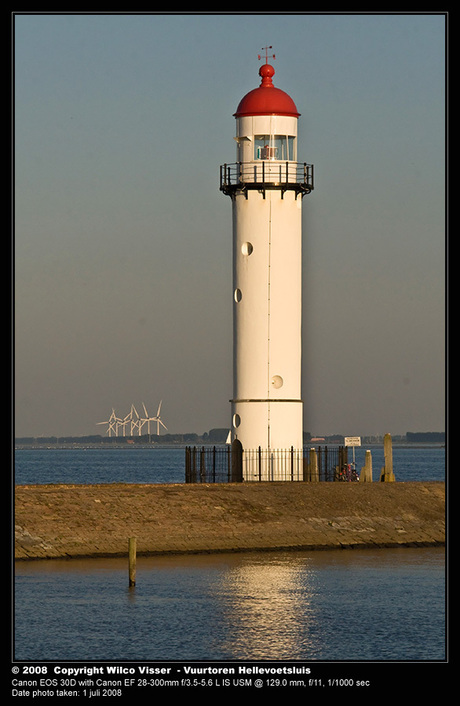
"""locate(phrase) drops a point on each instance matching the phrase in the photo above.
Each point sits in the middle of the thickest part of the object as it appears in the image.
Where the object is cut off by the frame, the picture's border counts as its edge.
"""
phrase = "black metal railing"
(333, 463)
(273, 464)
(233, 464)
(239, 177)
(208, 464)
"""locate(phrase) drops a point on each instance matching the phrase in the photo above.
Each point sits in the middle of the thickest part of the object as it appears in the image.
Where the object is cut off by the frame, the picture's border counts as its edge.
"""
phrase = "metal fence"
(273, 464)
(208, 464)
(230, 464)
(333, 463)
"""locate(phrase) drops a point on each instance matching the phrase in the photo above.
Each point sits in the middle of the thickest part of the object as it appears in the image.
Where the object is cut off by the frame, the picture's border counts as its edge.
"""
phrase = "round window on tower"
(247, 248)
(236, 421)
(237, 295)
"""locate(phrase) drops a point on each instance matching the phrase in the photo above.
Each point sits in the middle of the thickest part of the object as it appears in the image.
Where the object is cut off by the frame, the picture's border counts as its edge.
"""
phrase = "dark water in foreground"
(339, 605)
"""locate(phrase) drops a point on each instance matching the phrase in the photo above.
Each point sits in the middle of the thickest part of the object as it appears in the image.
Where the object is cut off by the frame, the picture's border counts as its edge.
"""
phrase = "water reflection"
(338, 605)
(268, 610)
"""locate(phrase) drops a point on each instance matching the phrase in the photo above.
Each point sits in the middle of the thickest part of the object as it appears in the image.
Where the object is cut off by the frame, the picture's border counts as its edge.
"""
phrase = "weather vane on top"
(265, 49)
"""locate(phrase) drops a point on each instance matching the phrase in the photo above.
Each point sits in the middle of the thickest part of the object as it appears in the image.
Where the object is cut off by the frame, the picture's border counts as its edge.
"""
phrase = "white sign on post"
(352, 441)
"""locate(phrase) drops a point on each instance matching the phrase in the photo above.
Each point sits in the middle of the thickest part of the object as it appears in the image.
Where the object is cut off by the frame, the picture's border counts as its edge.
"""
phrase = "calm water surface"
(165, 465)
(338, 605)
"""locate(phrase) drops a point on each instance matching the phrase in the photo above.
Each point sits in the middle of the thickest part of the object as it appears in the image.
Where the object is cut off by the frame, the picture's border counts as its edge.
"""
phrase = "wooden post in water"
(132, 561)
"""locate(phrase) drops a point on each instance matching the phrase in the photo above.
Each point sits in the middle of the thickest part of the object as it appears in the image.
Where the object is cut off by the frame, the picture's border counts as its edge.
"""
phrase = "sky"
(123, 242)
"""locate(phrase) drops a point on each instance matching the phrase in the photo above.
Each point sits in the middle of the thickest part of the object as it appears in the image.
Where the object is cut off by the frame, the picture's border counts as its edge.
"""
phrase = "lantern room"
(266, 123)
(266, 142)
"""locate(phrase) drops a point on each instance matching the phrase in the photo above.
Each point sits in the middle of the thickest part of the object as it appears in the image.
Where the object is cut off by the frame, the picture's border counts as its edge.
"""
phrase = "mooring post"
(387, 474)
(314, 477)
(366, 470)
(132, 560)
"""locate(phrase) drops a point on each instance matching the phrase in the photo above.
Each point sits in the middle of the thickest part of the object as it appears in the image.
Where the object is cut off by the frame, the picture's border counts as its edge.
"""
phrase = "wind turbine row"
(133, 421)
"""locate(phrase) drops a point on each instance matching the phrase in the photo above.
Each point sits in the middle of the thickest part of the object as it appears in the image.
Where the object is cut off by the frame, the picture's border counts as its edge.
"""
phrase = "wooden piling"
(313, 474)
(387, 474)
(132, 561)
(366, 470)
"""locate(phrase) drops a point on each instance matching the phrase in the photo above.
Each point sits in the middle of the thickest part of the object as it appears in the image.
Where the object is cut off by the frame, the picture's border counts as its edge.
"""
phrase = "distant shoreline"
(215, 437)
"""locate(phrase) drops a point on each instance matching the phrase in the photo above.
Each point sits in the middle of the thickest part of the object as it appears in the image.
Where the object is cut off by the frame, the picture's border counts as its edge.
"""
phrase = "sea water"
(167, 465)
(346, 605)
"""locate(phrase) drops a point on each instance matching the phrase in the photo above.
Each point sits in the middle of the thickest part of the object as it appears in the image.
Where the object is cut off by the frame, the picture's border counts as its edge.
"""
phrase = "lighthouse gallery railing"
(286, 176)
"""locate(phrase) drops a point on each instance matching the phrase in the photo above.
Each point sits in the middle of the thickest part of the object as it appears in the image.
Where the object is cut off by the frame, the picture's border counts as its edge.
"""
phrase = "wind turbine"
(119, 423)
(125, 421)
(135, 423)
(112, 422)
(140, 424)
(147, 419)
(157, 419)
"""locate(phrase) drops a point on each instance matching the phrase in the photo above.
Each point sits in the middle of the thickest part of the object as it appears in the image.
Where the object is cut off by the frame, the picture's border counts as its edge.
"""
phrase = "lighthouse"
(267, 184)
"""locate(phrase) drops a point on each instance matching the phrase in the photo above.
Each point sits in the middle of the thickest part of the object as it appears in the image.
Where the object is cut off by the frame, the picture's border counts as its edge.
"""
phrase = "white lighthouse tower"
(266, 185)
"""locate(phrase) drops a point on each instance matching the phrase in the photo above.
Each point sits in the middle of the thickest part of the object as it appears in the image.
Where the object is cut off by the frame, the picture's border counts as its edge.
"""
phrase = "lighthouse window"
(277, 381)
(276, 147)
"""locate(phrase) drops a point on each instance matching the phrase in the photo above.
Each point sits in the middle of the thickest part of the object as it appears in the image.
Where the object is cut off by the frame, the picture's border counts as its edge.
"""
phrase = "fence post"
(194, 465)
(187, 464)
(202, 465)
(229, 463)
(237, 461)
(343, 458)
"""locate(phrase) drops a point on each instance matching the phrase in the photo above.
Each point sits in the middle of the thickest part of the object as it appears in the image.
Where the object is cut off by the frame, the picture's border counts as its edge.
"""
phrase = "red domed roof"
(266, 99)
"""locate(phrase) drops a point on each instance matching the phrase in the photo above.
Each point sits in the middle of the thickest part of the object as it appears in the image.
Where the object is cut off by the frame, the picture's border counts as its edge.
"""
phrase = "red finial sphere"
(266, 71)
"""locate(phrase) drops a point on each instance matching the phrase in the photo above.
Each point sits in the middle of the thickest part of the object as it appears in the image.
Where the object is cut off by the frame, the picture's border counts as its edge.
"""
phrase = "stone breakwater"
(70, 521)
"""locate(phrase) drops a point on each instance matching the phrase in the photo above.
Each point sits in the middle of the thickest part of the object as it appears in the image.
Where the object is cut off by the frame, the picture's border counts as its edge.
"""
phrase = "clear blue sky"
(123, 240)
